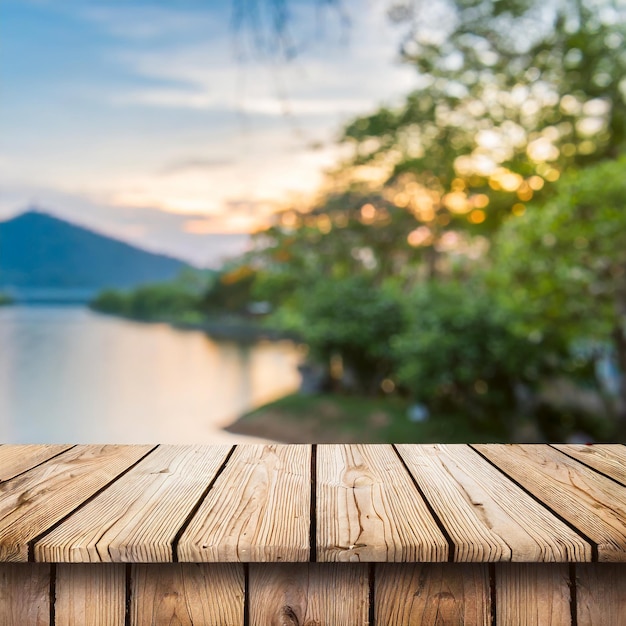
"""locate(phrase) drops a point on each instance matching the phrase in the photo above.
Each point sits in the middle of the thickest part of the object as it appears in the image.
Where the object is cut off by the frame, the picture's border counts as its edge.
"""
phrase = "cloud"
(195, 165)
(148, 23)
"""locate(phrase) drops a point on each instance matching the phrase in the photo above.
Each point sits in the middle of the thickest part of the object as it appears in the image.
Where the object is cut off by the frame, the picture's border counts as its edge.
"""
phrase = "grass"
(333, 418)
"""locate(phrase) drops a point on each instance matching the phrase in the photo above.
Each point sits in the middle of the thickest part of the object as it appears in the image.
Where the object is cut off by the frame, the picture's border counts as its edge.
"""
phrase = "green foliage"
(564, 264)
(162, 301)
(4, 299)
(352, 319)
(460, 352)
(231, 291)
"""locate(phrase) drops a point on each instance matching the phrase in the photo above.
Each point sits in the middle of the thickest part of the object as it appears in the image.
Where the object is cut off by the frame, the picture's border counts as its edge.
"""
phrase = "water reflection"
(71, 375)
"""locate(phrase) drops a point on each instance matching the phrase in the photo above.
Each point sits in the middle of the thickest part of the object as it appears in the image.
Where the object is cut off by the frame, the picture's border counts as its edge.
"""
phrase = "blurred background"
(312, 221)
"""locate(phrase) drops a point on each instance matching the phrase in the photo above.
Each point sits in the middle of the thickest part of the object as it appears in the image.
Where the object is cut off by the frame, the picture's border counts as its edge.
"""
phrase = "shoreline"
(228, 330)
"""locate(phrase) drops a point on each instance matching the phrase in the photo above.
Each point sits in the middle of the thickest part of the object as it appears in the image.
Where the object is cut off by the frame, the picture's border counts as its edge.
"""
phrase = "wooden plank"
(369, 509)
(32, 502)
(533, 594)
(608, 458)
(590, 502)
(15, 459)
(437, 594)
(601, 594)
(90, 595)
(258, 509)
(24, 594)
(136, 519)
(324, 594)
(186, 594)
(487, 516)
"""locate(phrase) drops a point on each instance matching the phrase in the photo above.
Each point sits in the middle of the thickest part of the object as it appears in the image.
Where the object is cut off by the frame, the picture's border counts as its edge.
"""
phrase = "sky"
(161, 124)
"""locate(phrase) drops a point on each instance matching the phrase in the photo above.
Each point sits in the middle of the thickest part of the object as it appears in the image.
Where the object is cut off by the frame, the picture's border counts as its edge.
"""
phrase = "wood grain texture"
(302, 594)
(533, 594)
(368, 508)
(590, 502)
(601, 594)
(24, 594)
(137, 518)
(187, 594)
(258, 509)
(32, 502)
(437, 594)
(16, 459)
(488, 518)
(608, 458)
(90, 595)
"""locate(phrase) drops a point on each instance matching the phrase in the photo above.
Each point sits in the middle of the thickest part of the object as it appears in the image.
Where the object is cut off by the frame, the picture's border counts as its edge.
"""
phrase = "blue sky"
(156, 122)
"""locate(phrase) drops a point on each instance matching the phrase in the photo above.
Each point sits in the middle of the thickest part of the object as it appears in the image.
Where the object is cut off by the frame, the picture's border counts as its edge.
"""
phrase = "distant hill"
(41, 253)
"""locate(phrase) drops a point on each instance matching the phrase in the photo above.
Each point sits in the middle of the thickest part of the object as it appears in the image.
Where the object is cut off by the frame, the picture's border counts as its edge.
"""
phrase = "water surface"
(68, 374)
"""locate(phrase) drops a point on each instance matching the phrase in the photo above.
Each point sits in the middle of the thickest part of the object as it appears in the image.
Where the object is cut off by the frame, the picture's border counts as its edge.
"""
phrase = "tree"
(564, 264)
(352, 320)
(511, 94)
(461, 351)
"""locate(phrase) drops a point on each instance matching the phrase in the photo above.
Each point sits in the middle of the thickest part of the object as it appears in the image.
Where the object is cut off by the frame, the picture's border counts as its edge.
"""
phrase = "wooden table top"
(298, 503)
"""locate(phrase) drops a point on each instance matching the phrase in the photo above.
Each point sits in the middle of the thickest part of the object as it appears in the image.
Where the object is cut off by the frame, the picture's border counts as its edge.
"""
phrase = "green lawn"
(326, 418)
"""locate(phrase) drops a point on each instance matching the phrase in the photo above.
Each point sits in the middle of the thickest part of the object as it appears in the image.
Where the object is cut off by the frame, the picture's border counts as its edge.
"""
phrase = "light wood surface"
(137, 518)
(187, 594)
(258, 509)
(368, 503)
(369, 510)
(589, 501)
(533, 596)
(441, 594)
(607, 458)
(294, 594)
(19, 458)
(24, 594)
(488, 519)
(90, 595)
(33, 502)
(601, 594)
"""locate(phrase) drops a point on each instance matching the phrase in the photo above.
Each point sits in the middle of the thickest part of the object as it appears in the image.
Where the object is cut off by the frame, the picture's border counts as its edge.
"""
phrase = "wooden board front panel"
(187, 594)
(601, 594)
(90, 595)
(298, 594)
(437, 594)
(533, 595)
(24, 594)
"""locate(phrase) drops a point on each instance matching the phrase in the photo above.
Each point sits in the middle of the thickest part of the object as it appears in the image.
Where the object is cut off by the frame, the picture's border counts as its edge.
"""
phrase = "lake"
(68, 374)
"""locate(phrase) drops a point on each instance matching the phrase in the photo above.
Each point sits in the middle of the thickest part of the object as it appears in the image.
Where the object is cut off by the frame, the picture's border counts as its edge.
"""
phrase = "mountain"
(39, 252)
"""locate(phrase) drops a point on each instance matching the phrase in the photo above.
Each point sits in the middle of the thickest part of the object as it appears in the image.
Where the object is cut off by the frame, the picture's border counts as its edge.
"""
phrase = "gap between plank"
(54, 456)
(442, 528)
(573, 602)
(596, 470)
(492, 594)
(53, 593)
(197, 506)
(246, 594)
(34, 540)
(129, 594)
(313, 511)
(593, 544)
